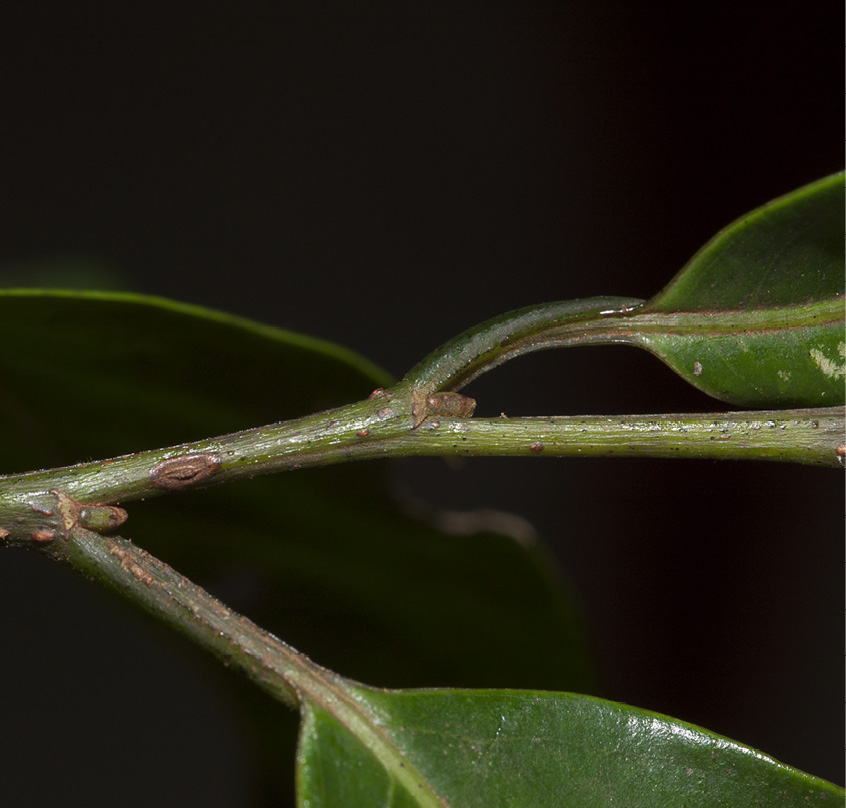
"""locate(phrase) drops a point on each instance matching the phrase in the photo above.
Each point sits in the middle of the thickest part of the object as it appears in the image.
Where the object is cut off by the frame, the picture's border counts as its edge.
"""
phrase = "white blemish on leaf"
(830, 367)
(697, 368)
(784, 375)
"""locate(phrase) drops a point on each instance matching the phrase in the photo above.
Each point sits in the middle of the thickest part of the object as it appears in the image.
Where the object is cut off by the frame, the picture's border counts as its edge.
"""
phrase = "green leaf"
(464, 749)
(756, 317)
(323, 557)
(785, 253)
(132, 373)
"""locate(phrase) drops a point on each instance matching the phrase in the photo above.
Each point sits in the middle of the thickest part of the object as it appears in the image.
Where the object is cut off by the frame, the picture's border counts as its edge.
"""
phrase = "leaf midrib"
(776, 318)
(315, 686)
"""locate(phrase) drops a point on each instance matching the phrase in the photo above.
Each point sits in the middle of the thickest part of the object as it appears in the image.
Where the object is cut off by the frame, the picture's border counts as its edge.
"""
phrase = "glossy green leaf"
(323, 557)
(476, 749)
(756, 317)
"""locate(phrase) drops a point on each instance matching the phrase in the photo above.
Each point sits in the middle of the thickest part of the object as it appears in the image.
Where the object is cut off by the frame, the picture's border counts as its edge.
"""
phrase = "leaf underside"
(756, 317)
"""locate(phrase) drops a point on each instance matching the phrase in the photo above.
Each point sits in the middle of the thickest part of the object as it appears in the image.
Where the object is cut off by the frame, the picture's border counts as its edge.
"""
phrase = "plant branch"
(63, 511)
(286, 674)
(157, 588)
(808, 436)
(422, 415)
(384, 426)
(534, 328)
(280, 670)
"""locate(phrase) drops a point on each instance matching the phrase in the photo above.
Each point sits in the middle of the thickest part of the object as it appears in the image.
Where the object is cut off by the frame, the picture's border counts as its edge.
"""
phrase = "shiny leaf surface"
(756, 318)
(474, 749)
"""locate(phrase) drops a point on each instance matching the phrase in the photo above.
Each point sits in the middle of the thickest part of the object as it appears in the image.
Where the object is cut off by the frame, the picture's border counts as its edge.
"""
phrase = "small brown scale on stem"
(176, 473)
(445, 405)
(126, 563)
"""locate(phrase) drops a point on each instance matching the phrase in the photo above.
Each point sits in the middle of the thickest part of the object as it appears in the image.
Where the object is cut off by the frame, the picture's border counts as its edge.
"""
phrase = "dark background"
(386, 175)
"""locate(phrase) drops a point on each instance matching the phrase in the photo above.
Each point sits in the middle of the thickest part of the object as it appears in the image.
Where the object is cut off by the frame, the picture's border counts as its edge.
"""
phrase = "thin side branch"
(157, 588)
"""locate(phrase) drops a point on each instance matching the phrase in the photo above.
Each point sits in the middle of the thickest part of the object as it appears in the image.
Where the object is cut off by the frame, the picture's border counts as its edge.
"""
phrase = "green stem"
(422, 415)
(151, 584)
(63, 510)
(276, 667)
(384, 427)
(534, 328)
(28, 502)
(280, 670)
(808, 436)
